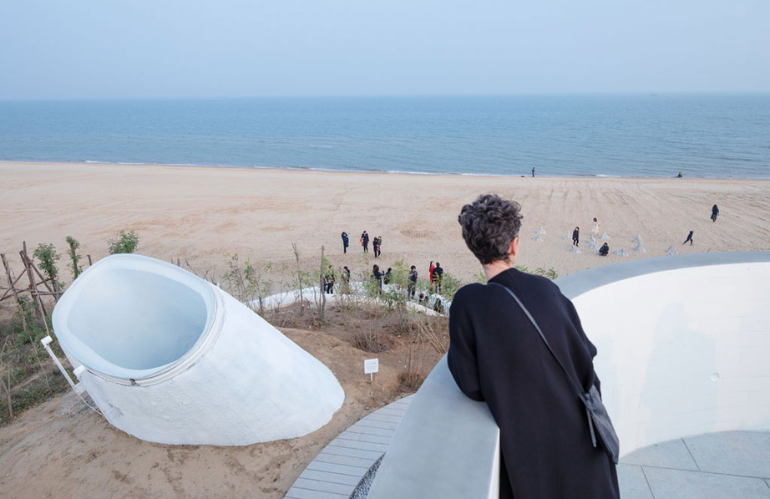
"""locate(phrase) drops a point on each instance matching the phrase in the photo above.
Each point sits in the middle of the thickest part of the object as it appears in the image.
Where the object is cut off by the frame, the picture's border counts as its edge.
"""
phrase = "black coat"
(496, 355)
(345, 240)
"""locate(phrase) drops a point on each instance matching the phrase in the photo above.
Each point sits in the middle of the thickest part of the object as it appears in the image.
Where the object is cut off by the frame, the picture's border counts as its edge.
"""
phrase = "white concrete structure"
(171, 358)
(683, 347)
(620, 252)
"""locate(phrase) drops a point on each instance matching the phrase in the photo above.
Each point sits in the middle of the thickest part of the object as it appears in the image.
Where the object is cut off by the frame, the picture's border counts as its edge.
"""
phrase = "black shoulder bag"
(598, 419)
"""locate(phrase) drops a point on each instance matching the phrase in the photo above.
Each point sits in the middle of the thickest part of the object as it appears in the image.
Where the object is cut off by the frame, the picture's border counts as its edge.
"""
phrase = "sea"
(641, 135)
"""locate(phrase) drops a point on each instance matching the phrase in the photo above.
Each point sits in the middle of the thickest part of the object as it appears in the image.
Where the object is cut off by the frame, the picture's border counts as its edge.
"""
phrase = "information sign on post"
(371, 366)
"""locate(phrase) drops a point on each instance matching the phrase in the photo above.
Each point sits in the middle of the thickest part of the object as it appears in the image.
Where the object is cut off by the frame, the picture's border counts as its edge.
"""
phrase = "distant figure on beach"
(689, 238)
(345, 242)
(388, 275)
(604, 250)
(533, 172)
(377, 276)
(410, 290)
(595, 228)
(438, 275)
(576, 236)
(377, 244)
(365, 242)
(714, 213)
(680, 175)
(329, 278)
(430, 274)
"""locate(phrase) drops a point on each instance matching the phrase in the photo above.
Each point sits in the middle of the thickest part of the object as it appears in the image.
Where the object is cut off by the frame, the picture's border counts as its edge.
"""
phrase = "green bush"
(126, 242)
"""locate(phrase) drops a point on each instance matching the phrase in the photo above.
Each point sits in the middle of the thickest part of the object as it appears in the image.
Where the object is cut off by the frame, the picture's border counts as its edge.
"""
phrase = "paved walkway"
(336, 471)
(713, 466)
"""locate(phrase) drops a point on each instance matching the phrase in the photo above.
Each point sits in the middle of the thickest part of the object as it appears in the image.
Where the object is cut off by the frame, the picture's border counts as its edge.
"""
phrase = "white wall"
(683, 351)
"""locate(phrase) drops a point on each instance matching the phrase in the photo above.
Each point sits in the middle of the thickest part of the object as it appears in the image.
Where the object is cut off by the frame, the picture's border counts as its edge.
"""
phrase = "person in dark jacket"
(497, 356)
(365, 242)
(345, 242)
(576, 236)
(388, 276)
(411, 288)
(604, 250)
(329, 278)
(714, 213)
(689, 237)
(377, 276)
(438, 274)
(376, 246)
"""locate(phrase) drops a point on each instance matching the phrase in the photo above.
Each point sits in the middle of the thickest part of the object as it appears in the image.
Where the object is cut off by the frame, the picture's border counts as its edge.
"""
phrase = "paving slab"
(741, 453)
(633, 483)
(673, 454)
(676, 484)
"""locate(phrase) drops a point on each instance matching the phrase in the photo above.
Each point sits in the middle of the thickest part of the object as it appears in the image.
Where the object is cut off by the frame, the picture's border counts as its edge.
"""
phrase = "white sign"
(371, 366)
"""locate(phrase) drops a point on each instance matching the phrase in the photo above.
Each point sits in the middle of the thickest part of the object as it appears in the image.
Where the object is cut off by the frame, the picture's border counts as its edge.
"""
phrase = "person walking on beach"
(365, 242)
(714, 213)
(689, 237)
(410, 290)
(329, 278)
(495, 355)
(430, 275)
(345, 243)
(576, 236)
(376, 246)
(438, 275)
(533, 172)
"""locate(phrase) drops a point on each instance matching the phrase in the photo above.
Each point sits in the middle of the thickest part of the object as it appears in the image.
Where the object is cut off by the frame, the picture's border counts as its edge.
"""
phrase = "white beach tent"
(171, 358)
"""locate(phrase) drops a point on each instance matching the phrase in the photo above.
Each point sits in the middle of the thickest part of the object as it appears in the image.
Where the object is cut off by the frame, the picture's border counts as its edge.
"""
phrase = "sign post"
(371, 366)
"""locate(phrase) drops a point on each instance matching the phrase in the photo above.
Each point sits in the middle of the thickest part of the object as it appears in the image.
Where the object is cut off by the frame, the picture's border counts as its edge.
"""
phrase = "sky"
(96, 49)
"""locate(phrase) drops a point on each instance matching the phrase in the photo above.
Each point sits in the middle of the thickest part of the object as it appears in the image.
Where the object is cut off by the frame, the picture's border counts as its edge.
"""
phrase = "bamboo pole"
(13, 289)
(89, 260)
(33, 285)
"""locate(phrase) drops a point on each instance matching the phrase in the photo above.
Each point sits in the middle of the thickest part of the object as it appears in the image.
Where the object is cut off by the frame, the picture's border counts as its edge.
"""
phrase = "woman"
(496, 355)
(376, 246)
(430, 275)
(595, 228)
(576, 236)
(377, 276)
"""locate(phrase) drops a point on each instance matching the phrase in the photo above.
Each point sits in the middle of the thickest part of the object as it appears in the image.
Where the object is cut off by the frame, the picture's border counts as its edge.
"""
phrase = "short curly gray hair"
(489, 225)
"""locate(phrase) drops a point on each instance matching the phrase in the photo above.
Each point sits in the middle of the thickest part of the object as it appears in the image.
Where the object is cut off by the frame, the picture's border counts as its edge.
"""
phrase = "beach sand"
(202, 214)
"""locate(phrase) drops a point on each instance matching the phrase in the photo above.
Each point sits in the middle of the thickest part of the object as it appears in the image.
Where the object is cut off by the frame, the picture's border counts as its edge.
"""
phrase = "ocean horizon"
(644, 135)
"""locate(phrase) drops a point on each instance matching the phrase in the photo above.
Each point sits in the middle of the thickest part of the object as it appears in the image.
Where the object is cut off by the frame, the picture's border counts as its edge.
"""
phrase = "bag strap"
(579, 390)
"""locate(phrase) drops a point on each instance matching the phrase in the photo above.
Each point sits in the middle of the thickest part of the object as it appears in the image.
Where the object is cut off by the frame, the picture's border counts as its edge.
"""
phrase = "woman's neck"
(496, 267)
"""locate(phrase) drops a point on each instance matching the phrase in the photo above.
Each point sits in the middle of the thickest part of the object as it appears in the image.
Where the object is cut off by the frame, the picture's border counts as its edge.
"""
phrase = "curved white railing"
(683, 346)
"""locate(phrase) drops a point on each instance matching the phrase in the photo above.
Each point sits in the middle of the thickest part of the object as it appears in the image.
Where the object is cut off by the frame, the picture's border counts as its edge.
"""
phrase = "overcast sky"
(194, 48)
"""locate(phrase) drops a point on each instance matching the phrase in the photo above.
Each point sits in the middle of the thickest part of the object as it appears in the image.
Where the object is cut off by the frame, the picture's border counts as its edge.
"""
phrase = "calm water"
(701, 136)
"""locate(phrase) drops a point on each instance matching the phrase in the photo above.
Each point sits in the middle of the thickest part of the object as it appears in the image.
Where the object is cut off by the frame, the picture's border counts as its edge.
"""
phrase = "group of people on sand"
(604, 250)
(714, 215)
(376, 243)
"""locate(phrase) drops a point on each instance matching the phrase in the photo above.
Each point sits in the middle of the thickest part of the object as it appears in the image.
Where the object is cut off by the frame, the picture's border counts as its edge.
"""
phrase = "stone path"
(336, 471)
(724, 465)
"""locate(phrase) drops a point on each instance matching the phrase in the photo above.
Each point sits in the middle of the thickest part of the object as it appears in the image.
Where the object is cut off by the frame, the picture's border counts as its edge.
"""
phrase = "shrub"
(74, 257)
(126, 242)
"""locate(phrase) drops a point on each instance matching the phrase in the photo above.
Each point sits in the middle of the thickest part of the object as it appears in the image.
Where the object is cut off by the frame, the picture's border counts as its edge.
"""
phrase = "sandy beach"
(202, 214)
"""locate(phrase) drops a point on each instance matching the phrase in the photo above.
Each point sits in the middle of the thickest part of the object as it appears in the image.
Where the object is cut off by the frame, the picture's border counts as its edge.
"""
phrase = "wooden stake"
(89, 260)
(15, 295)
